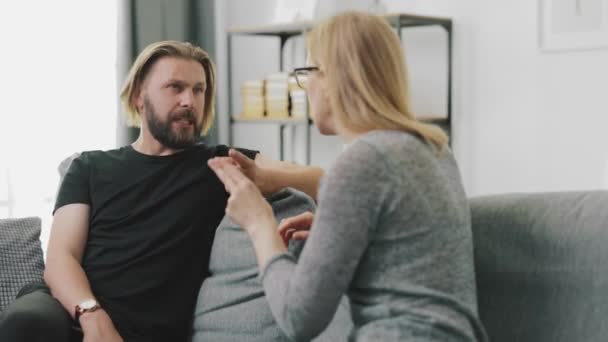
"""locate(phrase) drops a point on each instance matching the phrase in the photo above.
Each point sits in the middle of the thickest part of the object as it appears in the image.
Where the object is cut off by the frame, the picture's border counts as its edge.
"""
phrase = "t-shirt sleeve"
(75, 185)
(222, 151)
(304, 297)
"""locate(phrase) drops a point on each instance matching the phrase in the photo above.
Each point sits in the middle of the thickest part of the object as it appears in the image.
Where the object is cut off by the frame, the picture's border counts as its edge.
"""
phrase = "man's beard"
(163, 132)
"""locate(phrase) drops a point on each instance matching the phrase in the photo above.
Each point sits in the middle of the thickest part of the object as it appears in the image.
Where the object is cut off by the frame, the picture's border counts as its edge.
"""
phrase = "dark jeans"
(35, 316)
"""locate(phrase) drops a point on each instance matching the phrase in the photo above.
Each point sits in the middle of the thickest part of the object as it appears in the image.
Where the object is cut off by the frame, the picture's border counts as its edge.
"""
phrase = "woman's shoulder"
(391, 145)
(384, 152)
(365, 155)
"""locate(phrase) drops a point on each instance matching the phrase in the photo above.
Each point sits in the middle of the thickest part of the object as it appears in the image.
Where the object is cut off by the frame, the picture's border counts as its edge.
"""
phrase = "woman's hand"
(296, 227)
(246, 205)
(260, 176)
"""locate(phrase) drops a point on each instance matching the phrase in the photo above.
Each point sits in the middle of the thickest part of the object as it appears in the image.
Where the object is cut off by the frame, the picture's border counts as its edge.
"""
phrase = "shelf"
(286, 31)
(438, 120)
(296, 28)
(286, 121)
(298, 121)
(410, 20)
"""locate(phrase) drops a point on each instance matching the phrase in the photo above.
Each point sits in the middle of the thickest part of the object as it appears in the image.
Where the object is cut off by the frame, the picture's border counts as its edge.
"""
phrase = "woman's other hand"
(296, 227)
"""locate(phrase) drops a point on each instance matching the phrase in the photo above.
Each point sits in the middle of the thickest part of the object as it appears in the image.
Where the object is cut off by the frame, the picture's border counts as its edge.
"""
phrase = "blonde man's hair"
(364, 64)
(144, 62)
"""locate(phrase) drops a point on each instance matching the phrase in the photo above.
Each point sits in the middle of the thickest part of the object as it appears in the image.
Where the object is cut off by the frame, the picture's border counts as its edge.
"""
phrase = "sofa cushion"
(231, 304)
(21, 260)
(65, 165)
(542, 265)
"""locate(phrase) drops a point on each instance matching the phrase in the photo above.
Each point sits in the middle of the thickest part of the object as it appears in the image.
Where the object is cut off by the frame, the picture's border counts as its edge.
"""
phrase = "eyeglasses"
(302, 75)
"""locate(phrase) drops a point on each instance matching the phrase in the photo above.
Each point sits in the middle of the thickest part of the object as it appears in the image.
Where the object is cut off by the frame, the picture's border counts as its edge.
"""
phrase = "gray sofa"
(541, 262)
(542, 266)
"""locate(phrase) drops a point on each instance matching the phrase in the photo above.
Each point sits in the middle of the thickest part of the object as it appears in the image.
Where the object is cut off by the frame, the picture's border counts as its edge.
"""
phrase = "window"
(59, 96)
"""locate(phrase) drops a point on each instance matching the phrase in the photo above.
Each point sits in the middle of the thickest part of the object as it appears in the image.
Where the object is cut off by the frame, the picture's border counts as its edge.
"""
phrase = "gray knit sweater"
(393, 232)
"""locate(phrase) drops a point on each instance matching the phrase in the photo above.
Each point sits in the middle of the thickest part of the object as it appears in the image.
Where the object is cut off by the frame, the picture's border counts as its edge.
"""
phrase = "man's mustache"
(185, 115)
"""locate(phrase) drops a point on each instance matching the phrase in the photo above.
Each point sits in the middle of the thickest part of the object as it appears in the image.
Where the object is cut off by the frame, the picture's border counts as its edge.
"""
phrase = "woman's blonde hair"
(364, 65)
(144, 63)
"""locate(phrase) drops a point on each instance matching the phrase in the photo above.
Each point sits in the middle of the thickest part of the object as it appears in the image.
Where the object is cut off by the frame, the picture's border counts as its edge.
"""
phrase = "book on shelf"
(299, 102)
(252, 95)
(277, 95)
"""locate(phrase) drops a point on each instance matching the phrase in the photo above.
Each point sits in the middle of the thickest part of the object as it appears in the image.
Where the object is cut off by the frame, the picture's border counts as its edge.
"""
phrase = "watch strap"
(79, 311)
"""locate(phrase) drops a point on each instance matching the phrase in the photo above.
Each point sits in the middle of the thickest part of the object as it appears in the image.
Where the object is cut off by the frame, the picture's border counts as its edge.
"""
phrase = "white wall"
(524, 120)
(58, 96)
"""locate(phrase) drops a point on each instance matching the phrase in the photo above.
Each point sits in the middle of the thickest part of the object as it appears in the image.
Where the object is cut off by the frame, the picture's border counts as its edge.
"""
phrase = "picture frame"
(572, 24)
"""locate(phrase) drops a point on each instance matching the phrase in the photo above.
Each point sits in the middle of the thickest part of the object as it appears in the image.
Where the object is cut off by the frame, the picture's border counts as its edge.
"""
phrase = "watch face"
(88, 304)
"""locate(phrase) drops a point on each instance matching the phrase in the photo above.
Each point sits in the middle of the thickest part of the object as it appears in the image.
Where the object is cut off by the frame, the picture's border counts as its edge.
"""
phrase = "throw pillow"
(21, 260)
(231, 303)
(65, 165)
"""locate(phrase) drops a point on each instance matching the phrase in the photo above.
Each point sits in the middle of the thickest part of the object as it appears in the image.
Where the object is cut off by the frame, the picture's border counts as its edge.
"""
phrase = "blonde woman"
(392, 230)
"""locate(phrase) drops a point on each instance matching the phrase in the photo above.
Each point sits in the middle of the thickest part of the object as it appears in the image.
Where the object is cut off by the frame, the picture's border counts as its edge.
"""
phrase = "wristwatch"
(88, 305)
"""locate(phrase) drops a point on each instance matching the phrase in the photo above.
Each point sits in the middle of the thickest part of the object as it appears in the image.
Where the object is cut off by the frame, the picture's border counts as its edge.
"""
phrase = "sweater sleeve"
(303, 297)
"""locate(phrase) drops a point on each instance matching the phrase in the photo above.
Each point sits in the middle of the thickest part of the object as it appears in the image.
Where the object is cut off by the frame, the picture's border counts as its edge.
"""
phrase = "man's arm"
(272, 175)
(64, 274)
(284, 174)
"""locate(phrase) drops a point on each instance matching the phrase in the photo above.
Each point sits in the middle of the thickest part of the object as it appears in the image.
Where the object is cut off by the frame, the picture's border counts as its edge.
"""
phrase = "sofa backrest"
(542, 265)
(231, 304)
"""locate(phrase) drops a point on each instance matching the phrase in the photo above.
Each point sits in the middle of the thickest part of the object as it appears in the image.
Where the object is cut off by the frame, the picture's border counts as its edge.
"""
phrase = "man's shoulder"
(218, 150)
(221, 150)
(89, 156)
(82, 158)
(126, 153)
(207, 151)
(102, 153)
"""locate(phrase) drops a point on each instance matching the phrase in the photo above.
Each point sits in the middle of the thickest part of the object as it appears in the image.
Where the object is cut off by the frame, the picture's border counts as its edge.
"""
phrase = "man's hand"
(260, 176)
(296, 227)
(98, 327)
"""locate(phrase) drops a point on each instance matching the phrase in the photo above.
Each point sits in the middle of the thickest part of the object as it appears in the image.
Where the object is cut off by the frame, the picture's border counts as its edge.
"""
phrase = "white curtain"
(58, 94)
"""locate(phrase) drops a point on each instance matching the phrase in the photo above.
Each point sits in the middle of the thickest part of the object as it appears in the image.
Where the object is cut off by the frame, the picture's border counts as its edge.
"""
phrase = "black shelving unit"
(286, 31)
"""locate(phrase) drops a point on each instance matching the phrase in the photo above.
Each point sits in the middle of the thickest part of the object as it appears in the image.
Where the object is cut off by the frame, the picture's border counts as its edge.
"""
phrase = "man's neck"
(146, 144)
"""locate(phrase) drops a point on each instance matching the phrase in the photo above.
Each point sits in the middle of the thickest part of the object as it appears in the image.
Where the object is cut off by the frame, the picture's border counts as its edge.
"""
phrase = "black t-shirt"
(151, 227)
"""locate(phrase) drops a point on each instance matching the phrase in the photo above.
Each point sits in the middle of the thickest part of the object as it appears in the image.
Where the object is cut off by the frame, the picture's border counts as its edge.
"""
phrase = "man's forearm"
(69, 284)
(276, 175)
(67, 281)
(303, 178)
